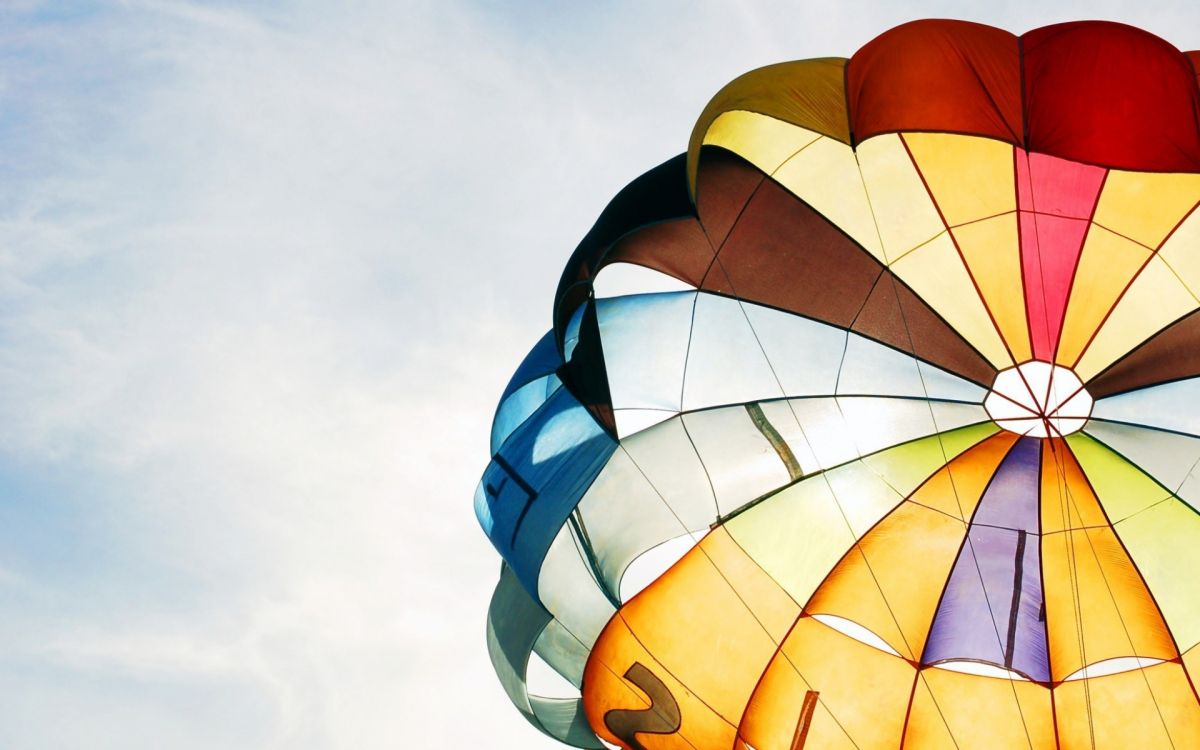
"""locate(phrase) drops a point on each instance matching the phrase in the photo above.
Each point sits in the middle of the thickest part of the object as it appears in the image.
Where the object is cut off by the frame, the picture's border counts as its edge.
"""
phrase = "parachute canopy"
(891, 436)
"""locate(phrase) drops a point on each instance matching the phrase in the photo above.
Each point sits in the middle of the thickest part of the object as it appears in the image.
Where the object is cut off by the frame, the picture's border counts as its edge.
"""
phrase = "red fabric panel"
(1194, 57)
(939, 75)
(1056, 198)
(1110, 94)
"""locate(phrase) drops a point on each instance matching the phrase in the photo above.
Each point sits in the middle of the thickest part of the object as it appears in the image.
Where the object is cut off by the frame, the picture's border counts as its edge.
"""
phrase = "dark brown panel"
(784, 254)
(678, 248)
(724, 184)
(897, 316)
(1171, 354)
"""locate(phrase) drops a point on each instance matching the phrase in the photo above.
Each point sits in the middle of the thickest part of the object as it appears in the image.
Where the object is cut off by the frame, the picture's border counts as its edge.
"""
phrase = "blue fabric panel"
(519, 405)
(537, 479)
(541, 360)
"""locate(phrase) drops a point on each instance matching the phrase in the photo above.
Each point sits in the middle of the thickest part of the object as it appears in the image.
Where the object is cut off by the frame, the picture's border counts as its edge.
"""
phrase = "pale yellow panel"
(799, 534)
(1146, 206)
(761, 140)
(992, 251)
(1092, 590)
(937, 274)
(1108, 264)
(1181, 251)
(892, 581)
(901, 205)
(951, 709)
(1145, 709)
(825, 176)
(1155, 299)
(1164, 542)
(970, 178)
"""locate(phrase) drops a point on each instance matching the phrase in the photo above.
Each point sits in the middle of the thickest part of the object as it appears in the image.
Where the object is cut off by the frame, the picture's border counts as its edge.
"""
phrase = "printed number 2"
(662, 717)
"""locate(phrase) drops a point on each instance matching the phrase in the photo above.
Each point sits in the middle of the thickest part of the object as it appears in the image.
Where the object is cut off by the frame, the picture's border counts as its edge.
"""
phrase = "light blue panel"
(1169, 406)
(518, 405)
(645, 343)
(804, 353)
(726, 364)
(872, 369)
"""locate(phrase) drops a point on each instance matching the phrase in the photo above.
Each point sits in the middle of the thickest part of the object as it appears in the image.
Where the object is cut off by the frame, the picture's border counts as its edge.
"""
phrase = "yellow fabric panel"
(825, 176)
(992, 251)
(604, 690)
(1122, 488)
(1146, 206)
(956, 489)
(800, 533)
(1122, 711)
(714, 602)
(774, 710)
(1093, 592)
(1191, 663)
(1067, 499)
(1108, 264)
(970, 178)
(808, 93)
(1162, 543)
(903, 210)
(863, 693)
(935, 271)
(763, 141)
(892, 580)
(1155, 299)
(906, 466)
(987, 713)
(1181, 251)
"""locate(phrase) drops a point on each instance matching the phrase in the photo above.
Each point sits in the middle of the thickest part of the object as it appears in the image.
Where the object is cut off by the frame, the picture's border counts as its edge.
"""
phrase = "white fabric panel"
(630, 421)
(623, 516)
(725, 364)
(740, 461)
(666, 457)
(804, 354)
(570, 593)
(872, 369)
(1158, 406)
(832, 431)
(645, 344)
(562, 652)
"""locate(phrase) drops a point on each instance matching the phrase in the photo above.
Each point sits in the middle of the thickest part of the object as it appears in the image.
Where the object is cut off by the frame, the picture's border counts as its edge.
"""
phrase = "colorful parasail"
(891, 437)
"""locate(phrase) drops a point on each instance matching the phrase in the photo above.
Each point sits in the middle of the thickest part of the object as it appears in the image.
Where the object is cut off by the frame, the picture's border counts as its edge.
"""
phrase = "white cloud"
(263, 272)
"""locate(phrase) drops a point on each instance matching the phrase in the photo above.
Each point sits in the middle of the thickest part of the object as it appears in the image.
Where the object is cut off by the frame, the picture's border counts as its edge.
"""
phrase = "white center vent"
(1039, 399)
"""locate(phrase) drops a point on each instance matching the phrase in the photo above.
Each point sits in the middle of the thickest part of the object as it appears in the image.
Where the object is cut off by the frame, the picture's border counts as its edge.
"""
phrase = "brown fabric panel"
(1170, 354)
(677, 248)
(724, 183)
(808, 93)
(585, 374)
(938, 75)
(897, 316)
(784, 254)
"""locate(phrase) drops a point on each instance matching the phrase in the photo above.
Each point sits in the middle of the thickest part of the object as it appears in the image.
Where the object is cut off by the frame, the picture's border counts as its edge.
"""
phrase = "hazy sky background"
(264, 270)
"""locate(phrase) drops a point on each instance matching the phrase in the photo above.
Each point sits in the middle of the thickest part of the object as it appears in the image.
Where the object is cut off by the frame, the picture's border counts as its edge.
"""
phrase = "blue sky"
(264, 270)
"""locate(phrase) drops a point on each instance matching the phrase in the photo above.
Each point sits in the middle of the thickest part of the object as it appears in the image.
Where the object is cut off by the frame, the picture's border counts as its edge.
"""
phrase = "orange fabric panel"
(892, 580)
(1097, 606)
(1122, 711)
(956, 488)
(951, 709)
(1067, 498)
(862, 693)
(942, 75)
(606, 689)
(712, 623)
